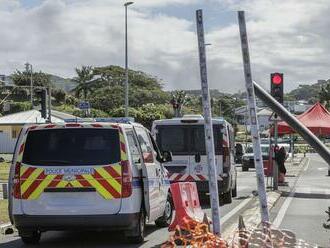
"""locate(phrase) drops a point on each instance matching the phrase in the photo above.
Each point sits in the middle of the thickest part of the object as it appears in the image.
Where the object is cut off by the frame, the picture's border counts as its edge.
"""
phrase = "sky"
(56, 36)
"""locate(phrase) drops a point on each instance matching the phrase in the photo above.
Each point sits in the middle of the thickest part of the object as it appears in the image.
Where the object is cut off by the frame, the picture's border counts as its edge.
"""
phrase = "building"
(11, 125)
(242, 117)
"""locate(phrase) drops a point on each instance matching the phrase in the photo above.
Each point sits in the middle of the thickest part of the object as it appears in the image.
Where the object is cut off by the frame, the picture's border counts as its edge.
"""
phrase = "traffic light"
(276, 86)
(42, 96)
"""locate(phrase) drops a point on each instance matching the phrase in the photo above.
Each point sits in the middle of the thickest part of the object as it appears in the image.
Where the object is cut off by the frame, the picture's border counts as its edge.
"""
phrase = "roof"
(32, 116)
(265, 111)
(316, 119)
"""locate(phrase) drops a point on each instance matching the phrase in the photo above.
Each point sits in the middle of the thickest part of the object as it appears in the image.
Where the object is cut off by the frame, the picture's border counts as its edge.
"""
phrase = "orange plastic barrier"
(186, 203)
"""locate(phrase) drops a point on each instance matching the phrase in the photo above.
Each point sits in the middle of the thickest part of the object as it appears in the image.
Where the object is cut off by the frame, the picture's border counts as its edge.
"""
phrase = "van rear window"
(187, 139)
(87, 146)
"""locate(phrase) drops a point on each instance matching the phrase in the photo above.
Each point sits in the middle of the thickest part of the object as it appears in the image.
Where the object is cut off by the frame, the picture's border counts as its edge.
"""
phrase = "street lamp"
(126, 60)
(28, 67)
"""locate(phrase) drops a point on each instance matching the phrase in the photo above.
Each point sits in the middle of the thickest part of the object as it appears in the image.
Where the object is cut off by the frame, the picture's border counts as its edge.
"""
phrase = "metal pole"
(275, 165)
(49, 104)
(31, 79)
(209, 139)
(126, 61)
(307, 135)
(253, 120)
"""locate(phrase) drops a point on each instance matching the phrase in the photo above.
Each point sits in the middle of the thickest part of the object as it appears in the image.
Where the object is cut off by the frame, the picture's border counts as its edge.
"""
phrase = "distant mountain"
(214, 93)
(66, 84)
(307, 92)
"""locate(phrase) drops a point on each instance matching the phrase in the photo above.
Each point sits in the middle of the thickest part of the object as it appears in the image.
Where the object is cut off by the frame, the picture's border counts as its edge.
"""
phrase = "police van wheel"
(227, 197)
(137, 234)
(30, 237)
(165, 220)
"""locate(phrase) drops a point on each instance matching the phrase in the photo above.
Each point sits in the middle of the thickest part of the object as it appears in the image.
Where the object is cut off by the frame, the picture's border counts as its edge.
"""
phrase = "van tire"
(136, 235)
(30, 238)
(165, 220)
(227, 197)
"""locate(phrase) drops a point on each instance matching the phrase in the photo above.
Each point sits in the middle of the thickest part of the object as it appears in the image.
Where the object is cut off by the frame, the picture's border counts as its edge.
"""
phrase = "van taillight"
(17, 181)
(126, 179)
(224, 156)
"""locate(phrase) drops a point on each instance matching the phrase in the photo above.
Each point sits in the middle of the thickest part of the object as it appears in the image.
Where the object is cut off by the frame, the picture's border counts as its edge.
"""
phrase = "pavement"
(303, 203)
(246, 204)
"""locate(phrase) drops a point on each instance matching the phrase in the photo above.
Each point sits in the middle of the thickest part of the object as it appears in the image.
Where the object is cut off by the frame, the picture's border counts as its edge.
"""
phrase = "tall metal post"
(29, 68)
(253, 119)
(209, 139)
(275, 165)
(126, 61)
(49, 104)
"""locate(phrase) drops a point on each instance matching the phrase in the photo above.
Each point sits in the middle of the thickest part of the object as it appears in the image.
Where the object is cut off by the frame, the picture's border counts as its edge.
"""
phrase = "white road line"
(235, 210)
(280, 216)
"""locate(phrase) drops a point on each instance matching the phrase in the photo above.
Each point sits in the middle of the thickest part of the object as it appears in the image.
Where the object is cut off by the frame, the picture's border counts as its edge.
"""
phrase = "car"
(104, 174)
(184, 138)
(248, 157)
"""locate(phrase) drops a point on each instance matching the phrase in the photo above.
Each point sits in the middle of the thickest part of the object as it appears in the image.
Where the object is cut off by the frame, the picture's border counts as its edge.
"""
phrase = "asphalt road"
(155, 236)
(303, 205)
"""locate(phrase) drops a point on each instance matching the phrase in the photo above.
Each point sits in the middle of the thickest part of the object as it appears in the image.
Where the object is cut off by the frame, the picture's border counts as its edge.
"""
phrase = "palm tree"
(84, 78)
(179, 99)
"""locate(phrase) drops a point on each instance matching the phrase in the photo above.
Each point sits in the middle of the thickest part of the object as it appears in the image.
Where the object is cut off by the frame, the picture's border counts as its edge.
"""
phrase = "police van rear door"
(74, 171)
(198, 159)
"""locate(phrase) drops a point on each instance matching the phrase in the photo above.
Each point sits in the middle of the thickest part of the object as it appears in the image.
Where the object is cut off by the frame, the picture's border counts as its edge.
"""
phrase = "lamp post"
(28, 67)
(126, 61)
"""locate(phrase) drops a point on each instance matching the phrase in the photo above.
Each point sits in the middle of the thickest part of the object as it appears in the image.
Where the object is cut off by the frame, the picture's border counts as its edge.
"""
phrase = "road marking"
(280, 216)
(236, 209)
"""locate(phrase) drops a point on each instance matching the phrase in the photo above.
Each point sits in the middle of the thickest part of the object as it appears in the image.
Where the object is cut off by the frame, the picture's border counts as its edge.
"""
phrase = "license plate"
(69, 171)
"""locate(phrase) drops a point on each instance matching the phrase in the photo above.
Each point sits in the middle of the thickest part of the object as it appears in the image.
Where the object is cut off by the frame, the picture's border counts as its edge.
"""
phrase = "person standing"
(280, 157)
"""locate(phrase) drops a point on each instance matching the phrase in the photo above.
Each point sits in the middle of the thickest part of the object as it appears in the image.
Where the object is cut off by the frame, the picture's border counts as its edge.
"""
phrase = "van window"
(133, 147)
(186, 139)
(198, 139)
(146, 147)
(173, 138)
(88, 146)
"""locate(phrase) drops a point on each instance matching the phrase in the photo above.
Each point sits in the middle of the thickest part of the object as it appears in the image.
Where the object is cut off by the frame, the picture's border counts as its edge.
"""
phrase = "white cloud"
(56, 36)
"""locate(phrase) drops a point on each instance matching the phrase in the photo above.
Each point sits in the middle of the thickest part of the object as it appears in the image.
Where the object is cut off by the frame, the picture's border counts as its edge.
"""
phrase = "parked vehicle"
(239, 152)
(184, 137)
(88, 175)
(248, 157)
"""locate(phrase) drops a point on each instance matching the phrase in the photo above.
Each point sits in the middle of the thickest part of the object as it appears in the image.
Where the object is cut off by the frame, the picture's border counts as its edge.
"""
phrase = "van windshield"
(186, 139)
(88, 146)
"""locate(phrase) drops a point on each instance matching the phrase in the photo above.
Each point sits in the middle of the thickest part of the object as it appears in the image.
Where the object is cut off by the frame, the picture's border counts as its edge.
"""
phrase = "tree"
(179, 99)
(23, 78)
(324, 95)
(84, 81)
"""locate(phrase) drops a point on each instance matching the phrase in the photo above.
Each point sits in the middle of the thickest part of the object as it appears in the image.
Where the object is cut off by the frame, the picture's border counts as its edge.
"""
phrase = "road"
(155, 236)
(302, 207)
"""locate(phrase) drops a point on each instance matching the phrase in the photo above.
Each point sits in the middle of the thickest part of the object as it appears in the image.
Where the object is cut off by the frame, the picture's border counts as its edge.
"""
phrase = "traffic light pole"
(258, 161)
(49, 104)
(209, 138)
(275, 165)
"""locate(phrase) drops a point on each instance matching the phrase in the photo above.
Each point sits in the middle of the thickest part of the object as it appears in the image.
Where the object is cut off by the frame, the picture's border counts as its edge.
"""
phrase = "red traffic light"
(277, 79)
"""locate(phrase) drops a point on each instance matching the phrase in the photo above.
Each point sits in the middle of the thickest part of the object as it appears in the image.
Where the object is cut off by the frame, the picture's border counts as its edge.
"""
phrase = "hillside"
(307, 92)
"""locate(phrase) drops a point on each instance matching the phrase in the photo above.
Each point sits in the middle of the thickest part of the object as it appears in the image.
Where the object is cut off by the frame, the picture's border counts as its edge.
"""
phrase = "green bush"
(16, 107)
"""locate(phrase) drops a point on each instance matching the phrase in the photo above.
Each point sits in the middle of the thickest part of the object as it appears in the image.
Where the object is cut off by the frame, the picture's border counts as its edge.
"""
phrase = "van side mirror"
(167, 156)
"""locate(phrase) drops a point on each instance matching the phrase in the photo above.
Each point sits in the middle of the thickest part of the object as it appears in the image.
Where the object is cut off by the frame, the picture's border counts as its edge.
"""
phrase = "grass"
(4, 171)
(4, 218)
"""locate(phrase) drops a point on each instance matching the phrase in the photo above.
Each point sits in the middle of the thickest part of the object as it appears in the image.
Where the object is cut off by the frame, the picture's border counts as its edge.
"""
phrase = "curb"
(251, 215)
(6, 228)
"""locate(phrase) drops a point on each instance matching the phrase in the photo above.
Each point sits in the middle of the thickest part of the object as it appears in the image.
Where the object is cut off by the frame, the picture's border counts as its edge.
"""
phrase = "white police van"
(184, 138)
(104, 174)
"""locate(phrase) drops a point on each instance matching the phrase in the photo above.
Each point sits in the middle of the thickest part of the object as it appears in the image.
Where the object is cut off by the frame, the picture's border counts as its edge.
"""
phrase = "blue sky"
(58, 35)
